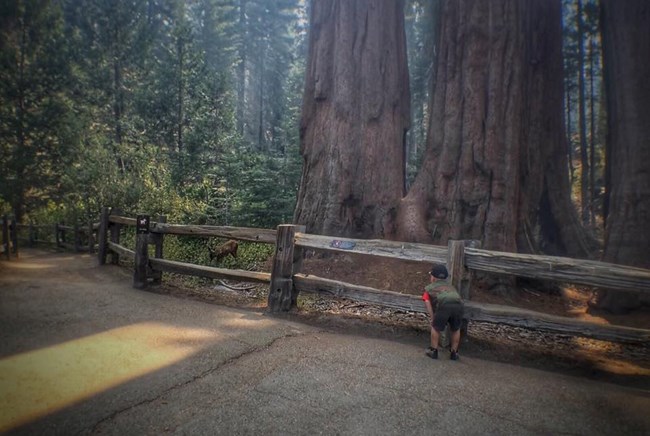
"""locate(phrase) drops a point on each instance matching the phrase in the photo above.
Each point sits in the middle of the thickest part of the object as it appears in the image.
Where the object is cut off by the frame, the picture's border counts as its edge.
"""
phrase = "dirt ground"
(602, 360)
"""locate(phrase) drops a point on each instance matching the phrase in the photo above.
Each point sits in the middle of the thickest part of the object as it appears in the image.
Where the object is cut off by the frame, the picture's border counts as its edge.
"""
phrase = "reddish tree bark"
(468, 187)
(626, 46)
(496, 166)
(354, 119)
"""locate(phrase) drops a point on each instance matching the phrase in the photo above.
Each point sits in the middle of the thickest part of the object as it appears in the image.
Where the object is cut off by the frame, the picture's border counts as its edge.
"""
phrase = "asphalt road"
(81, 352)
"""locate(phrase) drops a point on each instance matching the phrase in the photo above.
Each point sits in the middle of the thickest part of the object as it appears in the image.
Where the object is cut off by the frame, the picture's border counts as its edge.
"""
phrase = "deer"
(229, 247)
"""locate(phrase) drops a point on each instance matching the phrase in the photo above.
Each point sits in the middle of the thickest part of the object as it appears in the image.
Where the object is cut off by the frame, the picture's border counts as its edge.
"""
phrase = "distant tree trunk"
(495, 168)
(592, 136)
(354, 118)
(260, 110)
(582, 120)
(626, 46)
(179, 109)
(241, 68)
(118, 92)
(18, 196)
(569, 145)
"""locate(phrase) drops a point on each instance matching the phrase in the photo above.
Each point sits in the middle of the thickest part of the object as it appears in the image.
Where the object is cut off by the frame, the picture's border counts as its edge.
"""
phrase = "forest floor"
(601, 360)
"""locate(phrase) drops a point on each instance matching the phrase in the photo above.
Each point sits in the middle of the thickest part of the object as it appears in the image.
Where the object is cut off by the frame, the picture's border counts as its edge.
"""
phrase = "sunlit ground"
(40, 382)
(32, 265)
(602, 353)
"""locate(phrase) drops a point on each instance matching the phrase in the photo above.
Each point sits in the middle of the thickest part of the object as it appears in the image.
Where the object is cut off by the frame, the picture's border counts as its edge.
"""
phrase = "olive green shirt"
(442, 292)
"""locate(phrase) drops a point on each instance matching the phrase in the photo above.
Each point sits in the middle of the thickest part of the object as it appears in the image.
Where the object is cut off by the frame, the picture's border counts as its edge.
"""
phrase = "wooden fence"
(461, 257)
(9, 238)
(77, 237)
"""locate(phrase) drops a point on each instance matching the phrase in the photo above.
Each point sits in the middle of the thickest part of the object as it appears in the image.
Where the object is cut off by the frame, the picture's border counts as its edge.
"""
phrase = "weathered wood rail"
(81, 237)
(149, 269)
(462, 258)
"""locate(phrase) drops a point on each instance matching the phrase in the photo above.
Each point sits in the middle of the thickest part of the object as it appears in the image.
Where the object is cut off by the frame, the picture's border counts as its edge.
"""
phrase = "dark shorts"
(451, 313)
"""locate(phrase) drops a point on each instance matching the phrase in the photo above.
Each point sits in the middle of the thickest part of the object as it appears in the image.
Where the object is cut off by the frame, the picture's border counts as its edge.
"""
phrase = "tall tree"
(585, 191)
(626, 46)
(421, 24)
(37, 128)
(354, 118)
(263, 64)
(495, 169)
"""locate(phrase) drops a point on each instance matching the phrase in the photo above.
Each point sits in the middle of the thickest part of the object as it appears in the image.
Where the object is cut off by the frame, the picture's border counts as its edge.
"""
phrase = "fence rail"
(561, 269)
(82, 236)
(375, 247)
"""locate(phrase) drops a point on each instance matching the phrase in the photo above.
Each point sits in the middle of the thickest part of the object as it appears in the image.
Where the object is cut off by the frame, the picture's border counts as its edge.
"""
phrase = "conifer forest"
(518, 123)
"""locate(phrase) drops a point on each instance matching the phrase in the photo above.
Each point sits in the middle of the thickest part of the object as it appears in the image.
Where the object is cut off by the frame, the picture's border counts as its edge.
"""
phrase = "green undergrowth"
(251, 256)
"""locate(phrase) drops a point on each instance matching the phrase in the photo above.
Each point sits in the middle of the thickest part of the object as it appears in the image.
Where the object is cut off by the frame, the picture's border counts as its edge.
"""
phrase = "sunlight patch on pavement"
(31, 265)
(246, 322)
(40, 382)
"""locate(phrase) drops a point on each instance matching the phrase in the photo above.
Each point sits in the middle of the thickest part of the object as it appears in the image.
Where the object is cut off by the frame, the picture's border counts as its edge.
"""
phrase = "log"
(281, 290)
(31, 238)
(57, 234)
(157, 240)
(365, 294)
(5, 237)
(121, 251)
(484, 312)
(530, 319)
(118, 219)
(103, 236)
(377, 247)
(76, 237)
(91, 237)
(561, 269)
(141, 261)
(265, 236)
(115, 228)
(208, 271)
(459, 276)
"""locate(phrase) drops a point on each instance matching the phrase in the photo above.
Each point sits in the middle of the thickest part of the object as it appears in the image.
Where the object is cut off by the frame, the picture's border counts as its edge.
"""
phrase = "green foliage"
(38, 127)
(133, 104)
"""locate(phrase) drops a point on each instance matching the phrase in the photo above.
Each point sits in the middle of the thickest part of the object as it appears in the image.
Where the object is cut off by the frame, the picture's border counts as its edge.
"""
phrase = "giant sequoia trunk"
(548, 221)
(354, 119)
(495, 168)
(468, 184)
(626, 45)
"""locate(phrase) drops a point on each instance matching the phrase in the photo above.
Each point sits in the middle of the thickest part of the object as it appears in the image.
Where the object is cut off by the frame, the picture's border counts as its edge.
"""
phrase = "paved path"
(81, 352)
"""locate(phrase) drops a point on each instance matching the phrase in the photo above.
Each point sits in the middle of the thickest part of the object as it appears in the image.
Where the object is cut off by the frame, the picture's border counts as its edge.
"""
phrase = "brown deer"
(223, 250)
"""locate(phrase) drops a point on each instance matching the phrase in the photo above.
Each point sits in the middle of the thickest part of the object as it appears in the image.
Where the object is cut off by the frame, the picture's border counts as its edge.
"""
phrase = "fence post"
(103, 236)
(91, 239)
(141, 261)
(77, 238)
(57, 242)
(62, 230)
(13, 232)
(157, 239)
(115, 236)
(297, 265)
(281, 294)
(5, 237)
(30, 235)
(460, 276)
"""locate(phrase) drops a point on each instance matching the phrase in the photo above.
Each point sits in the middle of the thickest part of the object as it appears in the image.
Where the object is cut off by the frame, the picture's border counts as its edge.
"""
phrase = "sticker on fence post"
(142, 224)
(343, 245)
